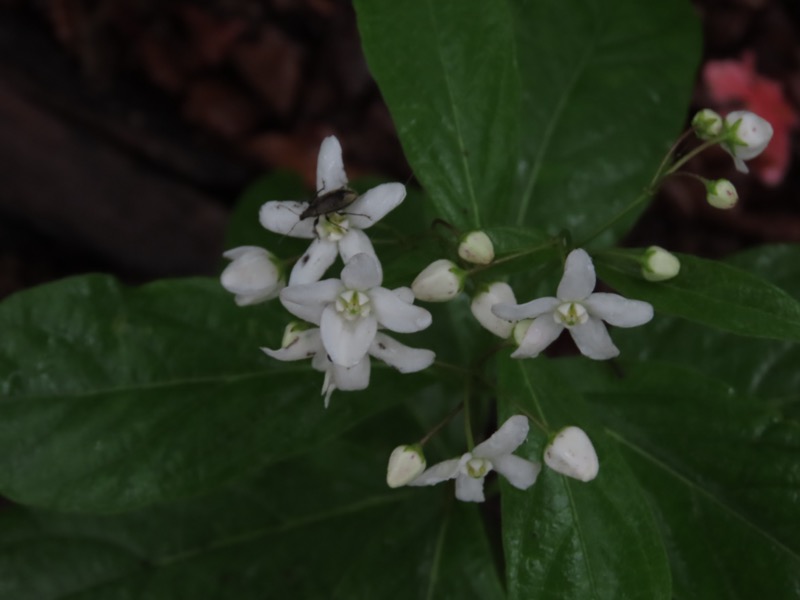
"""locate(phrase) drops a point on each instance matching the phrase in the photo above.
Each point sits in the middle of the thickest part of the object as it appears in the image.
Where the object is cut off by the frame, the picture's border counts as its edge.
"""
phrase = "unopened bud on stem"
(405, 464)
(721, 194)
(476, 248)
(707, 124)
(440, 281)
(659, 265)
(571, 453)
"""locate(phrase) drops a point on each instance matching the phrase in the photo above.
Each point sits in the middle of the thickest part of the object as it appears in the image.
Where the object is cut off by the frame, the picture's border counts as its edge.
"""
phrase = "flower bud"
(476, 248)
(497, 292)
(658, 264)
(405, 465)
(520, 329)
(571, 453)
(747, 135)
(721, 194)
(255, 275)
(440, 281)
(707, 124)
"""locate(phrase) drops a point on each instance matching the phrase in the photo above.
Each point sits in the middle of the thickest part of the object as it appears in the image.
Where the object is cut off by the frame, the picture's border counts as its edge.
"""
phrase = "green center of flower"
(478, 467)
(570, 314)
(353, 304)
(332, 227)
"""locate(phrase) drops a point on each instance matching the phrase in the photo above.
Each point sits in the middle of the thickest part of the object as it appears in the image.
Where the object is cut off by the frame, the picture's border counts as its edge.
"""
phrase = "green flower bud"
(707, 124)
(721, 194)
(476, 248)
(659, 265)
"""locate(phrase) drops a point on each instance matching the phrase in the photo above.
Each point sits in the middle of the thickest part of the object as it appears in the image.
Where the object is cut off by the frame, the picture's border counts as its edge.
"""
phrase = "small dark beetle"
(329, 202)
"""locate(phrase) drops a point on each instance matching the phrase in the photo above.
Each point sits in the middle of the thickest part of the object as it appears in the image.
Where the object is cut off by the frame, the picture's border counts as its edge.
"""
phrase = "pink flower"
(736, 84)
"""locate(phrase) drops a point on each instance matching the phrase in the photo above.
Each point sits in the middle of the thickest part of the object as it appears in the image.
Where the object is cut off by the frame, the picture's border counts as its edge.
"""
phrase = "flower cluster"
(341, 318)
(569, 452)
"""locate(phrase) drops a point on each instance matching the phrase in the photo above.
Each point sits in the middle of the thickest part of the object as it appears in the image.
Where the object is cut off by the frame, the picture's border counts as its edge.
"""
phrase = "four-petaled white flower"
(349, 310)
(308, 344)
(255, 275)
(470, 470)
(338, 231)
(577, 309)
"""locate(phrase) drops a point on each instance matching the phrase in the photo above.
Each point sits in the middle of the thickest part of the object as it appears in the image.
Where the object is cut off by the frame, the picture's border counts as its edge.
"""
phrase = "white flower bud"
(440, 281)
(747, 135)
(405, 464)
(476, 248)
(659, 265)
(481, 307)
(707, 124)
(721, 194)
(571, 453)
(520, 329)
(255, 275)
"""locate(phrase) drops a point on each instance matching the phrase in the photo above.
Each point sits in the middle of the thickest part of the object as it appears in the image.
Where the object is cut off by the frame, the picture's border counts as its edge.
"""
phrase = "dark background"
(128, 128)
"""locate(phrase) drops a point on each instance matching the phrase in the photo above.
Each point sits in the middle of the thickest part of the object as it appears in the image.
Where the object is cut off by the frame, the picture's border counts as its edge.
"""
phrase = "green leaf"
(446, 69)
(302, 529)
(708, 292)
(721, 469)
(567, 539)
(605, 87)
(114, 398)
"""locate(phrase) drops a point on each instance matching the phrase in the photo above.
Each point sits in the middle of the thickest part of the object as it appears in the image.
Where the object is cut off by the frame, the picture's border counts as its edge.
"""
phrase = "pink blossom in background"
(735, 84)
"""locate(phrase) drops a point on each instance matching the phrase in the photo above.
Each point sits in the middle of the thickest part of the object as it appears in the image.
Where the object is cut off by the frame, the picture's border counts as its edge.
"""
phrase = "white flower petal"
(346, 342)
(481, 307)
(529, 310)
(438, 473)
(315, 261)
(579, 278)
(362, 272)
(618, 311)
(401, 357)
(593, 340)
(469, 489)
(395, 314)
(505, 440)
(330, 168)
(542, 332)
(308, 301)
(252, 275)
(352, 378)
(406, 294)
(305, 345)
(355, 242)
(740, 165)
(284, 217)
(375, 204)
(520, 473)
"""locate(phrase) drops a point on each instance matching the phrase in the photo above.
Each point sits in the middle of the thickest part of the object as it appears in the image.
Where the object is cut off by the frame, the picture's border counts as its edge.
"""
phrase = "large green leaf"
(446, 69)
(721, 468)
(115, 398)
(708, 292)
(605, 87)
(325, 526)
(764, 368)
(567, 539)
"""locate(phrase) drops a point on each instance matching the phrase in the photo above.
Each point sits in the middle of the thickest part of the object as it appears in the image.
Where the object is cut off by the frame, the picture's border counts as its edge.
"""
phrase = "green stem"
(690, 155)
(511, 257)
(468, 420)
(647, 193)
(456, 409)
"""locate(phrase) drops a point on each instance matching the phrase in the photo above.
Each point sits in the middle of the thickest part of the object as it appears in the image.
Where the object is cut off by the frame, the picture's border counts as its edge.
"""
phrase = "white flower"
(440, 281)
(659, 264)
(571, 453)
(405, 464)
(747, 137)
(481, 307)
(339, 231)
(470, 470)
(721, 193)
(707, 124)
(302, 344)
(577, 309)
(350, 310)
(476, 248)
(255, 275)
